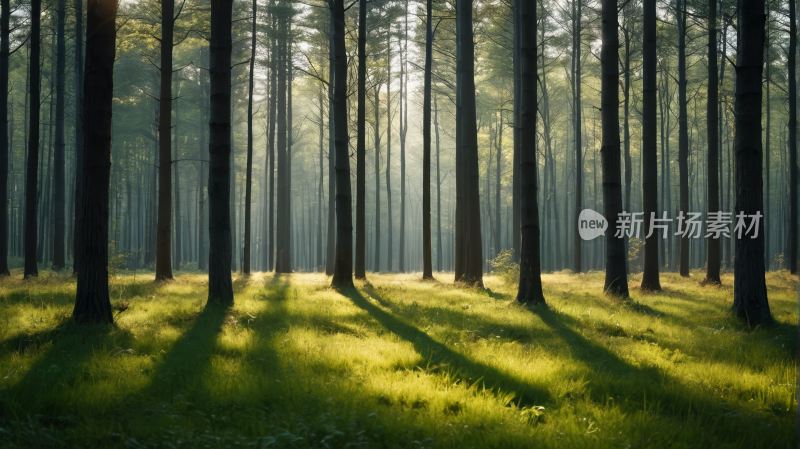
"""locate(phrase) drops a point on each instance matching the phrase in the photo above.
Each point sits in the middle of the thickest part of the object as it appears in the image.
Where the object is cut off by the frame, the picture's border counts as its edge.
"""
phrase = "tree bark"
(439, 255)
(616, 281)
(343, 269)
(683, 134)
(749, 288)
(164, 236)
(530, 279)
(59, 157)
(31, 180)
(220, 287)
(92, 303)
(249, 176)
(361, 145)
(576, 105)
(792, 138)
(650, 277)
(330, 254)
(5, 13)
(427, 257)
(712, 122)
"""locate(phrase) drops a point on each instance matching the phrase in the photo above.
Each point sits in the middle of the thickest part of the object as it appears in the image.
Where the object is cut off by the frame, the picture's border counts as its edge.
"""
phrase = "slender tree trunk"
(515, 176)
(650, 277)
(749, 288)
(31, 180)
(92, 303)
(530, 280)
(576, 101)
(331, 249)
(792, 140)
(683, 134)
(713, 254)
(273, 102)
(361, 144)
(343, 269)
(176, 184)
(377, 265)
(616, 276)
(249, 176)
(59, 157)
(201, 237)
(164, 237)
(220, 287)
(403, 128)
(320, 193)
(427, 262)
(439, 255)
(5, 13)
(473, 265)
(389, 216)
(282, 236)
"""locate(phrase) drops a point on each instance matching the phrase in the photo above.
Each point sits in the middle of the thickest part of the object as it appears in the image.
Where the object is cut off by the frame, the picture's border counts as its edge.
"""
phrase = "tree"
(361, 145)
(576, 111)
(92, 303)
(712, 121)
(5, 13)
(59, 157)
(31, 184)
(76, 242)
(683, 133)
(164, 236)
(650, 278)
(249, 181)
(343, 268)
(616, 274)
(749, 288)
(427, 262)
(220, 287)
(792, 137)
(530, 279)
(473, 258)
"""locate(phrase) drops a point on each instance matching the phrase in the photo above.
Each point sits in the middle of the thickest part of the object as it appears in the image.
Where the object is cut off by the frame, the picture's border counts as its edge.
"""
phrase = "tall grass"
(395, 362)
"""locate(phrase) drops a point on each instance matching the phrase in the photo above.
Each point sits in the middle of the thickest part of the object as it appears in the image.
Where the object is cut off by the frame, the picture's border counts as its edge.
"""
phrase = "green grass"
(396, 362)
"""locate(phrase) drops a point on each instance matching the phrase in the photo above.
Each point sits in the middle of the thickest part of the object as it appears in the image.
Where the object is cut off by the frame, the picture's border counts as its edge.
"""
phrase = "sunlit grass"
(396, 363)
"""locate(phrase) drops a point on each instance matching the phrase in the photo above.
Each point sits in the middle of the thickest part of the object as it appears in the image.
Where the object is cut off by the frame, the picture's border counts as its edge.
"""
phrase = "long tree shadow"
(438, 353)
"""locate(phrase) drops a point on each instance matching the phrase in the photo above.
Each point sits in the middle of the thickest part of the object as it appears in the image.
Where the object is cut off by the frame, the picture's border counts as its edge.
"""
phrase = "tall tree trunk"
(439, 255)
(31, 180)
(330, 254)
(616, 276)
(749, 288)
(59, 157)
(320, 193)
(176, 184)
(273, 102)
(92, 303)
(377, 264)
(792, 139)
(427, 262)
(650, 277)
(249, 176)
(683, 134)
(515, 176)
(389, 216)
(201, 237)
(343, 269)
(283, 235)
(473, 262)
(403, 128)
(5, 13)
(576, 107)
(164, 237)
(361, 144)
(220, 287)
(713, 254)
(530, 279)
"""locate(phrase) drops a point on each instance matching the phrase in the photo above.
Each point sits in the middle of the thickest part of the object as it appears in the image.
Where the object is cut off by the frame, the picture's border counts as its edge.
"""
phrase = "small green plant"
(635, 255)
(116, 259)
(778, 262)
(504, 267)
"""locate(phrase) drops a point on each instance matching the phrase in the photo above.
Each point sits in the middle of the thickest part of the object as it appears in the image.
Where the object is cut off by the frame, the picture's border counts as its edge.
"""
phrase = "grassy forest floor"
(396, 362)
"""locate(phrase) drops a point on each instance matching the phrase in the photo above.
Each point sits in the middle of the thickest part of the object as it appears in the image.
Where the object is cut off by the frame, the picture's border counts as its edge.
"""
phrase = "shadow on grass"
(438, 353)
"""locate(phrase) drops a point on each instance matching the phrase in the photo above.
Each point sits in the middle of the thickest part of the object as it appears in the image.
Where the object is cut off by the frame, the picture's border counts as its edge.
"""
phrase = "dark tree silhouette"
(220, 287)
(361, 145)
(683, 133)
(530, 279)
(248, 189)
(76, 242)
(59, 156)
(650, 278)
(92, 303)
(792, 137)
(616, 275)
(749, 287)
(31, 181)
(343, 268)
(712, 253)
(427, 262)
(5, 13)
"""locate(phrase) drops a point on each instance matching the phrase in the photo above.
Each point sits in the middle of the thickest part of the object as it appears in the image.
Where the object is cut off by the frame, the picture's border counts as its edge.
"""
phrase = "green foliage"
(504, 267)
(635, 255)
(116, 259)
(778, 262)
(395, 363)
